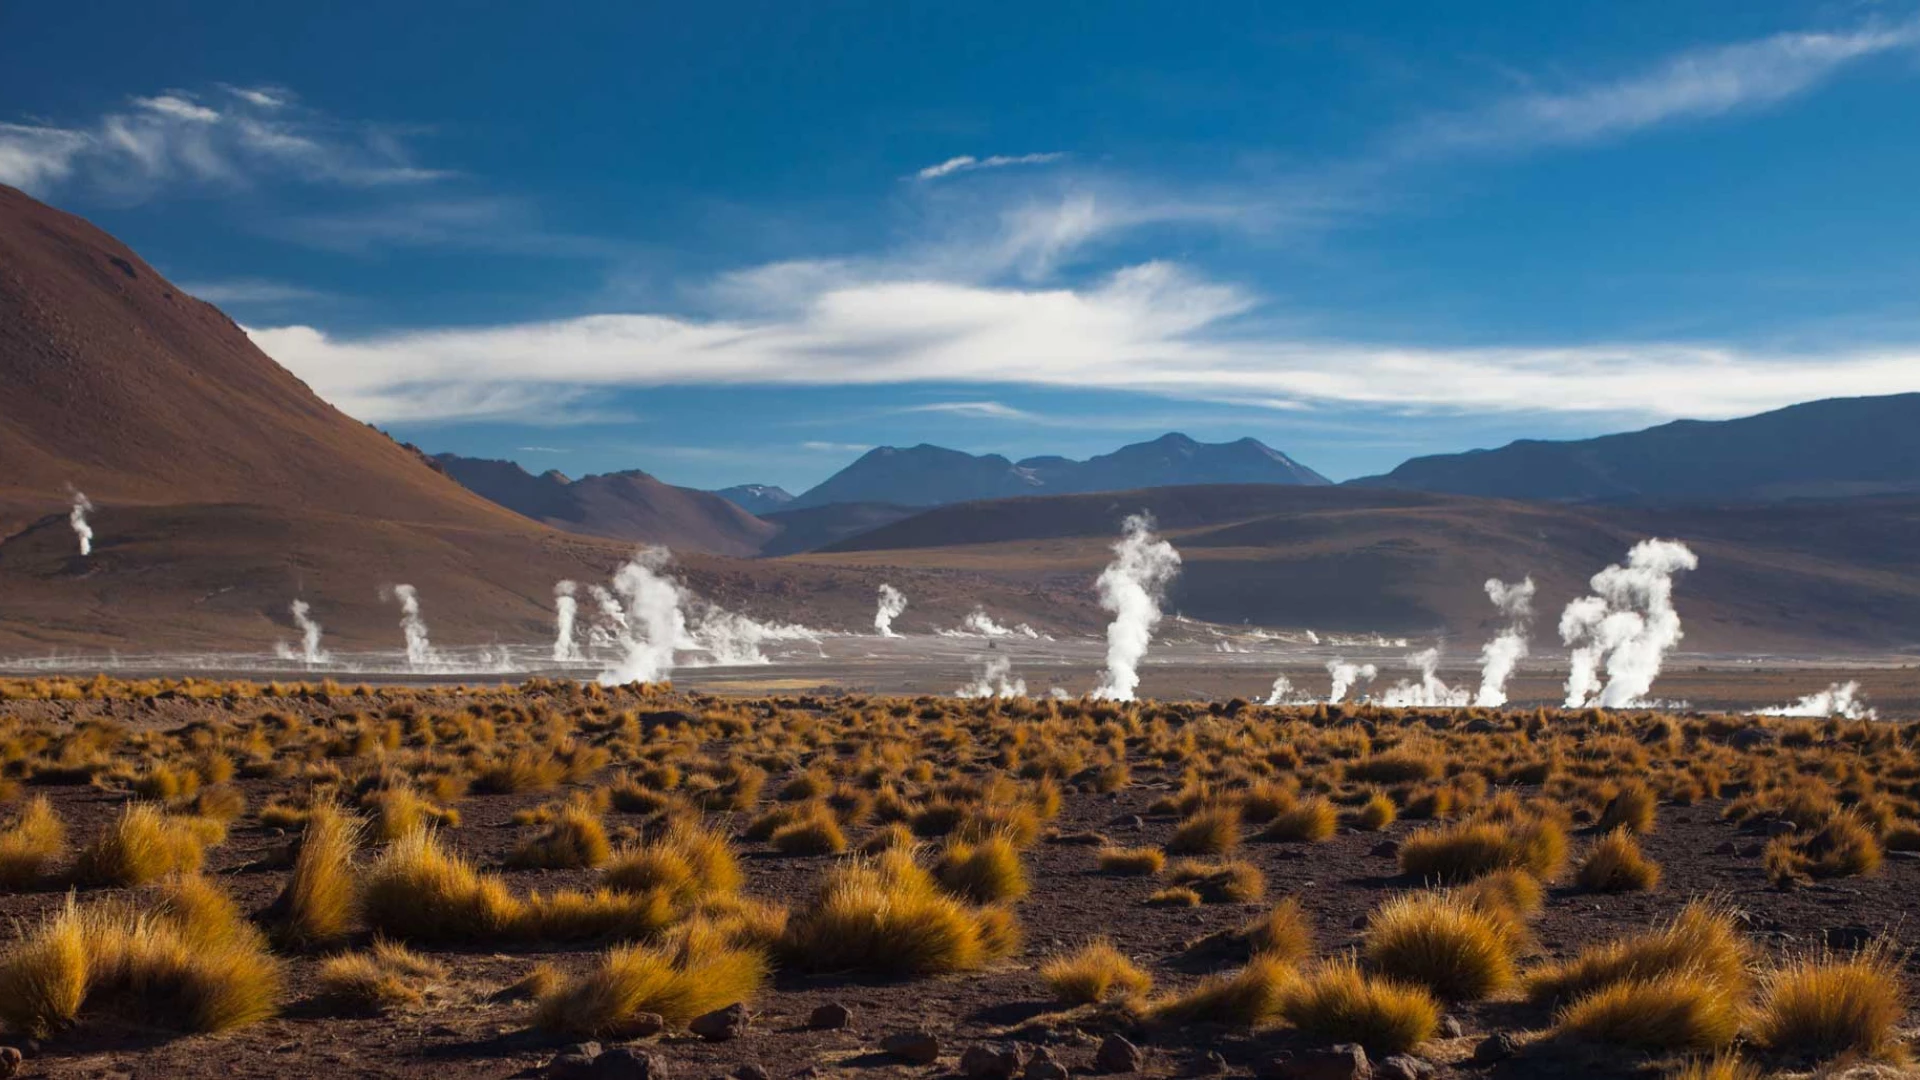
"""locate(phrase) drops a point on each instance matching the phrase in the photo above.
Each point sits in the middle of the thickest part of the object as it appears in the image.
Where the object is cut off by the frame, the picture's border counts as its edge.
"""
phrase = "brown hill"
(225, 488)
(622, 506)
(1810, 577)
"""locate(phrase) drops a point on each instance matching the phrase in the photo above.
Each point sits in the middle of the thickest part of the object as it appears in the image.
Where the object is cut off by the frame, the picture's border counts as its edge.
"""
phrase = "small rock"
(720, 1025)
(1451, 1028)
(629, 1063)
(1781, 828)
(988, 1063)
(1385, 849)
(1130, 823)
(751, 1071)
(830, 1017)
(9, 1061)
(1346, 1061)
(1496, 1047)
(1750, 738)
(1848, 938)
(1404, 1067)
(1480, 725)
(1751, 851)
(917, 1047)
(574, 1065)
(1117, 1055)
(1044, 1066)
(1213, 1064)
(644, 1025)
(1724, 847)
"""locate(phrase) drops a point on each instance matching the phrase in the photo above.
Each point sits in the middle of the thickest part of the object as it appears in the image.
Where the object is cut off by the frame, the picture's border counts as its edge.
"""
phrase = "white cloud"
(835, 447)
(969, 163)
(1151, 328)
(250, 291)
(230, 138)
(980, 410)
(1692, 85)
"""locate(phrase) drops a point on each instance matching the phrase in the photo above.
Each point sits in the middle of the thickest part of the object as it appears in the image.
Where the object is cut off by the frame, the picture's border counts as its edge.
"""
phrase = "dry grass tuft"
(1458, 853)
(1826, 1006)
(699, 972)
(1310, 821)
(1702, 941)
(1443, 943)
(387, 976)
(34, 839)
(1130, 862)
(144, 845)
(1285, 933)
(1098, 971)
(1680, 1011)
(1247, 998)
(1231, 881)
(1213, 830)
(887, 916)
(815, 833)
(418, 891)
(1615, 863)
(1337, 1002)
(1632, 808)
(574, 839)
(321, 902)
(988, 872)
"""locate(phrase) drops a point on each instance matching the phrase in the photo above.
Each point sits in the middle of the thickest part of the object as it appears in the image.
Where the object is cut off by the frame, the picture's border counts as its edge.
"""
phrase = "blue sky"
(739, 242)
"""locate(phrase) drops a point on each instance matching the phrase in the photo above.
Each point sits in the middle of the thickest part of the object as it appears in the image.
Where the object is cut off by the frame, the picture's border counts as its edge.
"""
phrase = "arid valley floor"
(429, 881)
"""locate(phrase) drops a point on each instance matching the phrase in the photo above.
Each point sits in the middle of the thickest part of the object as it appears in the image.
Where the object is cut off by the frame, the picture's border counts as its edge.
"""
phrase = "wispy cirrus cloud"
(1696, 84)
(976, 410)
(229, 136)
(969, 163)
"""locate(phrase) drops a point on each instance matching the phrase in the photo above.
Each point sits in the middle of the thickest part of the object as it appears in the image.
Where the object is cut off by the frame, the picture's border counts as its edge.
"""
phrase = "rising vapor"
(1838, 700)
(654, 623)
(419, 649)
(1429, 692)
(1131, 587)
(1499, 656)
(565, 610)
(309, 651)
(892, 603)
(994, 681)
(77, 517)
(1345, 677)
(1627, 626)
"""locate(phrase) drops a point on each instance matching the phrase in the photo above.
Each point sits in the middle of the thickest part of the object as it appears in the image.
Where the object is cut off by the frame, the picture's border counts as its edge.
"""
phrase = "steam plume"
(565, 608)
(310, 651)
(1840, 699)
(1499, 656)
(419, 650)
(1131, 587)
(1429, 692)
(77, 517)
(979, 622)
(1628, 625)
(1345, 676)
(654, 622)
(610, 625)
(892, 603)
(1282, 686)
(731, 638)
(995, 681)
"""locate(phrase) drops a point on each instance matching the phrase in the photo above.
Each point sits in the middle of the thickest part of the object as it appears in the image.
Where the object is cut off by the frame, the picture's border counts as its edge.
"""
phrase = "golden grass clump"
(189, 961)
(386, 976)
(1677, 1011)
(1094, 973)
(1702, 941)
(1441, 942)
(1286, 932)
(31, 842)
(1308, 821)
(1513, 895)
(987, 872)
(575, 839)
(1337, 1002)
(1246, 998)
(144, 845)
(1462, 852)
(1633, 808)
(418, 891)
(1826, 1006)
(1213, 830)
(1718, 1067)
(886, 915)
(1230, 881)
(814, 833)
(1130, 862)
(321, 901)
(689, 862)
(1615, 863)
(679, 980)
(1175, 896)
(1376, 813)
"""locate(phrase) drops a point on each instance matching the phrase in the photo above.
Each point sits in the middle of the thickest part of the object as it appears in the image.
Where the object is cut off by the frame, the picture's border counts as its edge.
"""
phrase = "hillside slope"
(1828, 449)
(622, 506)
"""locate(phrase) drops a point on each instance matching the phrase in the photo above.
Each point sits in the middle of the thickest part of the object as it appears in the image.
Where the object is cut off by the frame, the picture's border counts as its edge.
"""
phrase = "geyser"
(1131, 587)
(309, 651)
(565, 609)
(77, 517)
(1627, 625)
(1429, 692)
(892, 603)
(1499, 656)
(419, 649)
(653, 620)
(994, 681)
(1345, 676)
(1837, 700)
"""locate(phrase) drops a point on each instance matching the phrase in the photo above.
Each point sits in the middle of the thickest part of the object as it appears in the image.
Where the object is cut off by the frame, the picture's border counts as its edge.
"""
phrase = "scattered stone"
(1751, 851)
(1751, 737)
(1213, 1064)
(830, 1017)
(1480, 725)
(1496, 1047)
(1724, 847)
(917, 1047)
(574, 1064)
(989, 1063)
(1848, 938)
(1346, 1061)
(1451, 1027)
(644, 1025)
(1781, 828)
(1081, 839)
(632, 1063)
(752, 1071)
(1044, 1066)
(1117, 1055)
(1131, 823)
(9, 1061)
(721, 1025)
(1385, 849)
(1404, 1067)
